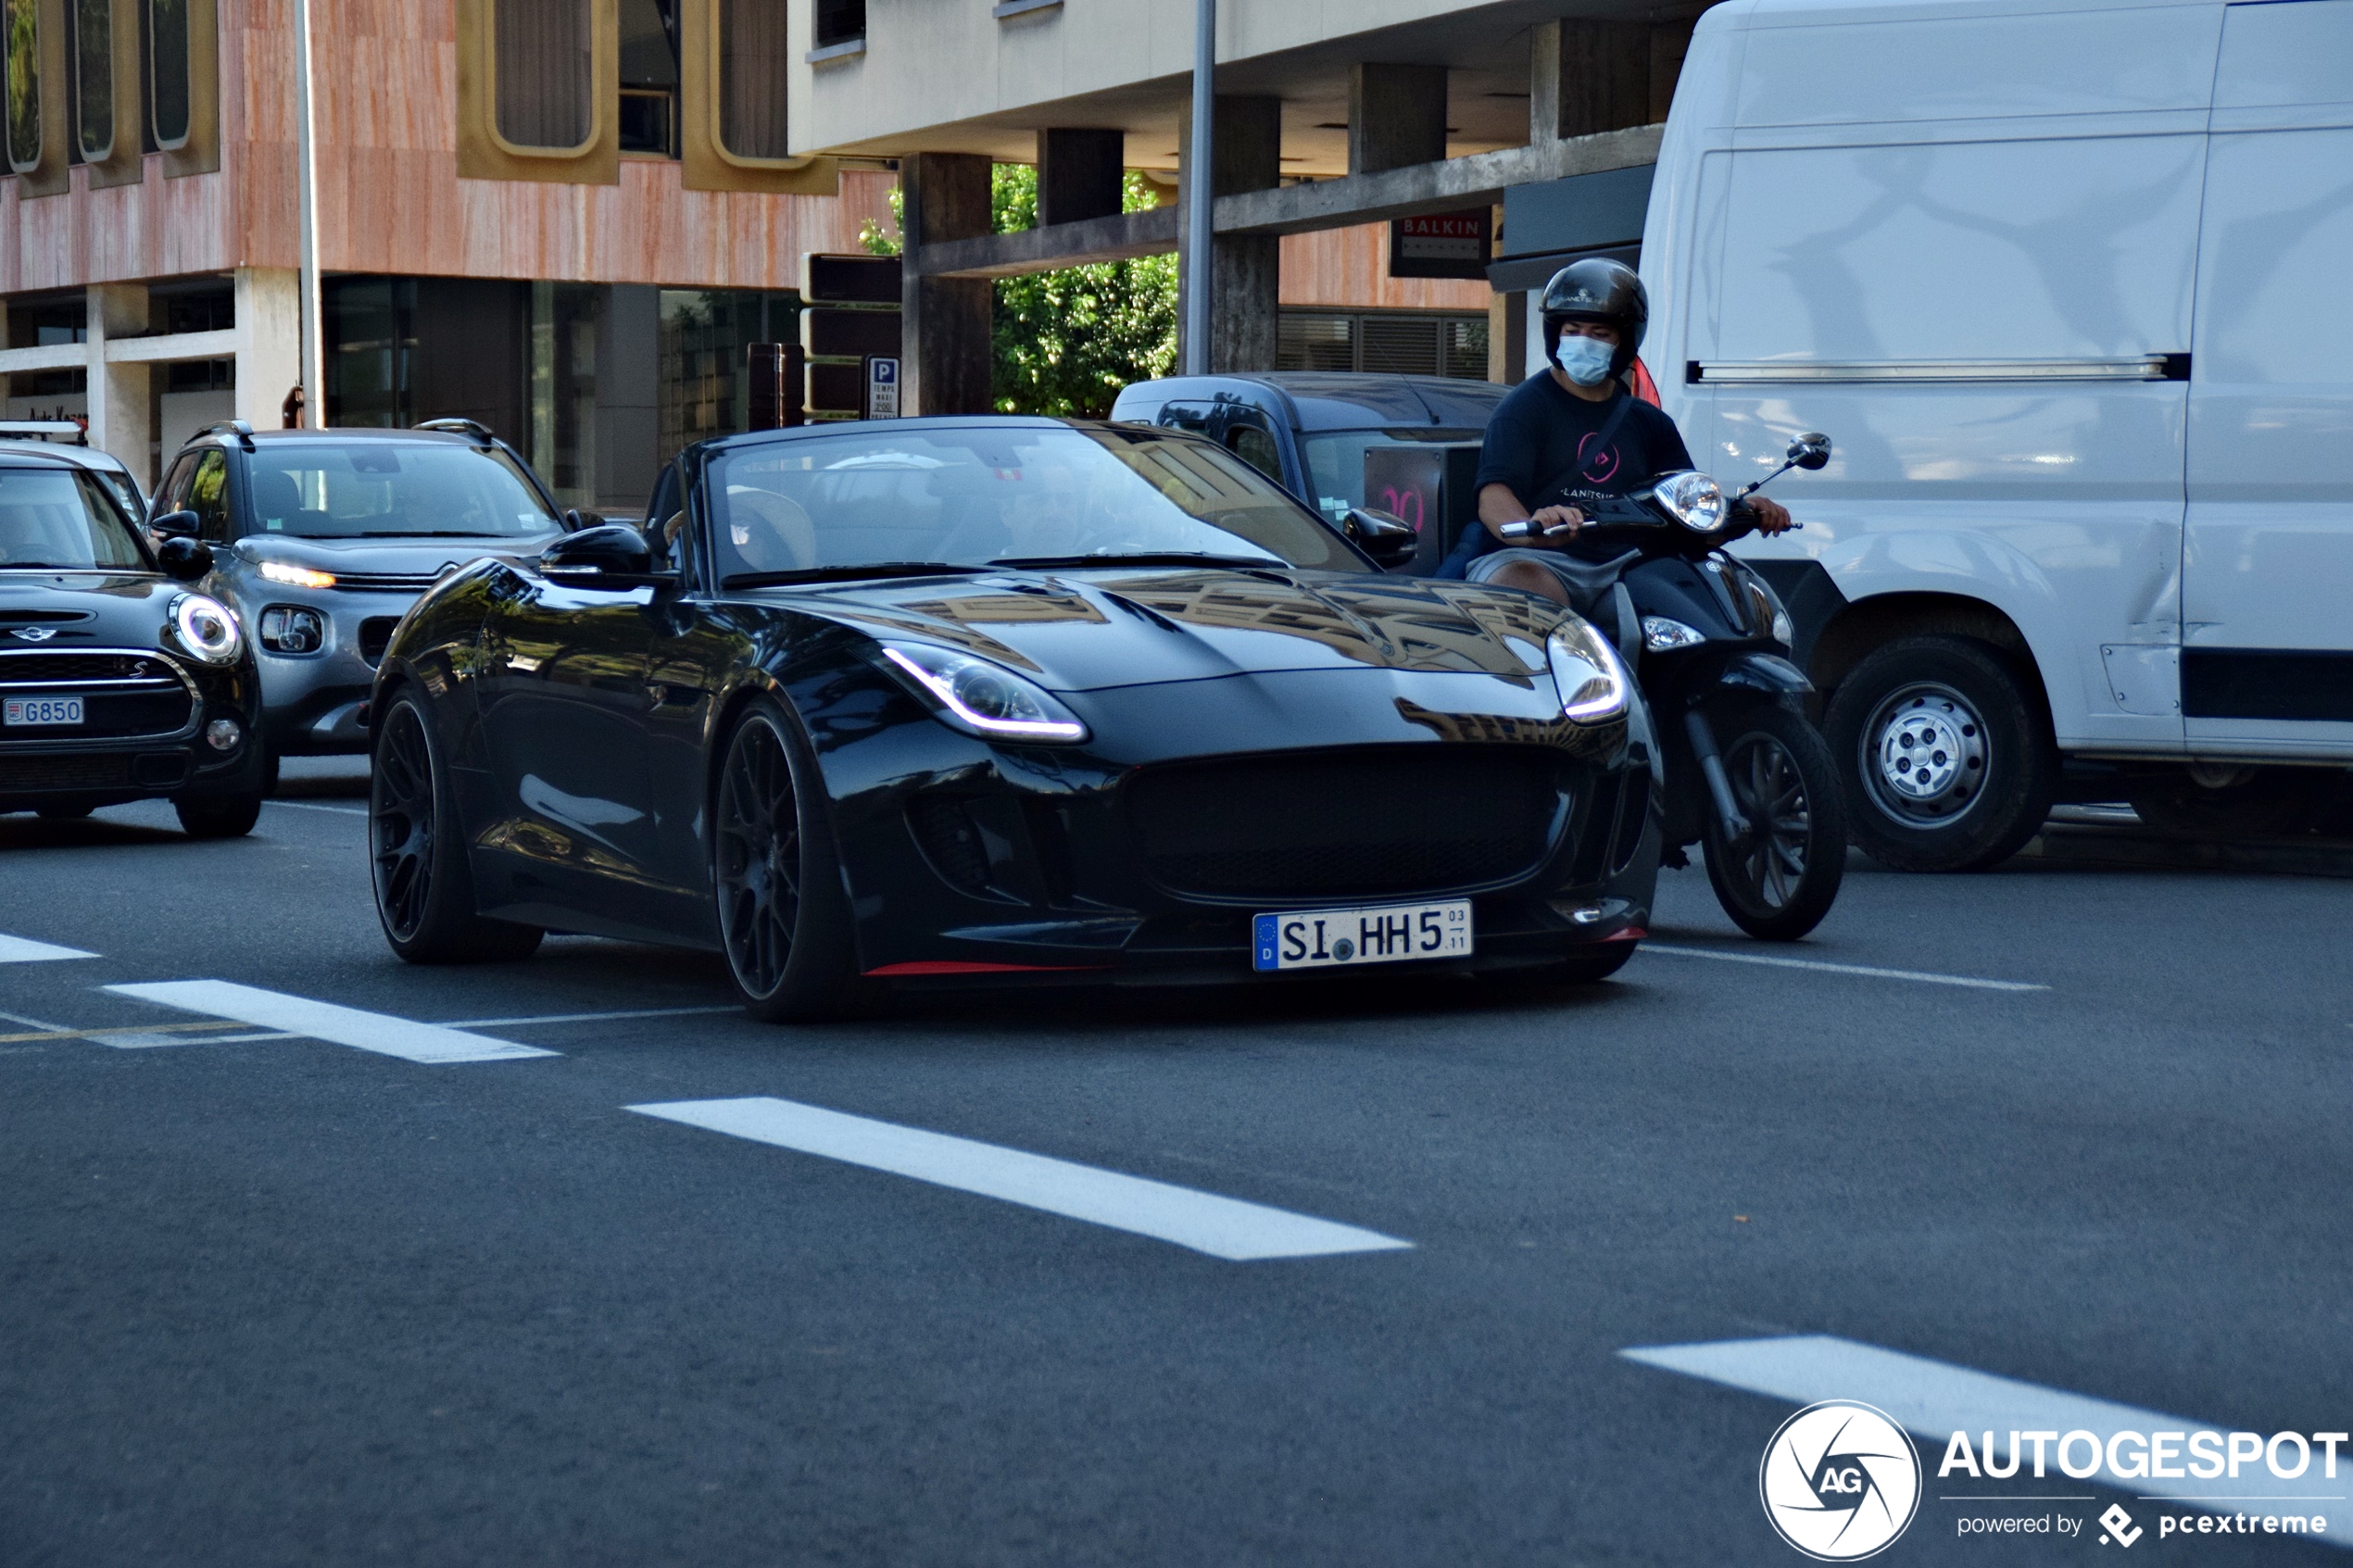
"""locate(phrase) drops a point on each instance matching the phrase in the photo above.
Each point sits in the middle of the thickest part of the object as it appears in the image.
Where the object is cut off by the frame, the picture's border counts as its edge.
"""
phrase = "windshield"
(1035, 495)
(123, 490)
(382, 489)
(60, 518)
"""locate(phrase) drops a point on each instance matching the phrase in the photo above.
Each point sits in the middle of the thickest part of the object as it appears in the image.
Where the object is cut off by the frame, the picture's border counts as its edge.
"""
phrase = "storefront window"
(543, 75)
(23, 44)
(564, 389)
(704, 333)
(167, 72)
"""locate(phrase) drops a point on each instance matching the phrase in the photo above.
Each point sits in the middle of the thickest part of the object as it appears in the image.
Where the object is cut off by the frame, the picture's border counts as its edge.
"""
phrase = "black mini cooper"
(118, 680)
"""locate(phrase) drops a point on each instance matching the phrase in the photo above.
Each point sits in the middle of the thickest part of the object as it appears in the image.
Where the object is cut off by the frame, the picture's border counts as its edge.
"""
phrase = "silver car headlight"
(1591, 680)
(983, 698)
(1693, 499)
(206, 628)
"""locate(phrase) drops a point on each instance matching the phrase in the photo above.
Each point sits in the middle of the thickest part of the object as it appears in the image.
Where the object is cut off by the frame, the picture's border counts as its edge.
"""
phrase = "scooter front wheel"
(1779, 879)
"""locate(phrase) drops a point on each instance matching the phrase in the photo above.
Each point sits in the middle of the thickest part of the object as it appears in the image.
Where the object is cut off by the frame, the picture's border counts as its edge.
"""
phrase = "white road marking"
(1868, 971)
(1223, 1228)
(319, 805)
(1935, 1399)
(20, 949)
(376, 1031)
(140, 1041)
(584, 1017)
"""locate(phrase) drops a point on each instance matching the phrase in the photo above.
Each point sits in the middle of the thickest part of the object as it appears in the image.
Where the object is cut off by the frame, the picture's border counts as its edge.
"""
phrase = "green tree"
(1067, 342)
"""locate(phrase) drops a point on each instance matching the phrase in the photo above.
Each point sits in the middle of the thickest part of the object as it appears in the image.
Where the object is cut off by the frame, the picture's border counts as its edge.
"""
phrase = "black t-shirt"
(1547, 445)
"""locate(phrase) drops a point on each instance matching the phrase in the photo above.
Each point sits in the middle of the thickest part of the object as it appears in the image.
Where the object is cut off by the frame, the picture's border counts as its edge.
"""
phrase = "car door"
(2267, 662)
(563, 723)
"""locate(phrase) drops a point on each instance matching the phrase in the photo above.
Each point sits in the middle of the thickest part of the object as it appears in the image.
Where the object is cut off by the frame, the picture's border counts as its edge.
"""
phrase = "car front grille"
(1372, 822)
(375, 635)
(42, 669)
(106, 771)
(386, 581)
(125, 694)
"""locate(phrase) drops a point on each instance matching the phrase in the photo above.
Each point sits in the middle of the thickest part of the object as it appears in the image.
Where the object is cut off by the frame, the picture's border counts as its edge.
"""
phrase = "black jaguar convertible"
(1002, 699)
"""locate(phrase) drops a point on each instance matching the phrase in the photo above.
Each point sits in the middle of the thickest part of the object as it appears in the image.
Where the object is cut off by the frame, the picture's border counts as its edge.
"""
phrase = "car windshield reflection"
(947, 499)
(386, 490)
(59, 517)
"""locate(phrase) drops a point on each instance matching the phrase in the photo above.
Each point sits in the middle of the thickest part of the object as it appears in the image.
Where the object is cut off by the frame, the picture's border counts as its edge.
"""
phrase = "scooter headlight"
(1664, 634)
(983, 698)
(1693, 499)
(1585, 670)
(206, 628)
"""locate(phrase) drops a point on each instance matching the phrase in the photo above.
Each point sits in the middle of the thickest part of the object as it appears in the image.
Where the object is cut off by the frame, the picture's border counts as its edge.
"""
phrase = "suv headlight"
(1591, 680)
(293, 629)
(206, 628)
(1693, 499)
(982, 699)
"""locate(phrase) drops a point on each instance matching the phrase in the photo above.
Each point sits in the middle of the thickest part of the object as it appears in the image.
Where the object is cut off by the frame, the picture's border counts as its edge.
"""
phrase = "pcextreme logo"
(1840, 1481)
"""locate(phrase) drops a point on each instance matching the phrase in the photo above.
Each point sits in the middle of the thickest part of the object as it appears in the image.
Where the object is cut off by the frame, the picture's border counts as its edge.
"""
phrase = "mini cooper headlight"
(1693, 499)
(297, 576)
(982, 699)
(1593, 682)
(206, 628)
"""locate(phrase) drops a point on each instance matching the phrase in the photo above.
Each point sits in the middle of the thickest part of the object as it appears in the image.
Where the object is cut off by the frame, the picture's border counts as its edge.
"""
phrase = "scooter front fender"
(1765, 672)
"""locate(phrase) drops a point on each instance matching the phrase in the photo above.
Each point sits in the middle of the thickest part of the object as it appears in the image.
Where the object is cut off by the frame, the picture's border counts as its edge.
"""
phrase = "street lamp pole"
(312, 330)
(1200, 189)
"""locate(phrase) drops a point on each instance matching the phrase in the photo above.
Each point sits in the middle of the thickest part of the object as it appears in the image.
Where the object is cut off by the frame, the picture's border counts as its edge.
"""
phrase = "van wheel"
(1945, 753)
(2244, 803)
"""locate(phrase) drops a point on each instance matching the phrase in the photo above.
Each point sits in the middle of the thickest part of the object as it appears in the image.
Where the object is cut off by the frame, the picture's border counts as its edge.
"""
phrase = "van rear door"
(2267, 661)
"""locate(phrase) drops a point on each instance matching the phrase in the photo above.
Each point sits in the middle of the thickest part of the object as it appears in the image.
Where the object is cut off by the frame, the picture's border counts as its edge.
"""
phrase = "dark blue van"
(1407, 445)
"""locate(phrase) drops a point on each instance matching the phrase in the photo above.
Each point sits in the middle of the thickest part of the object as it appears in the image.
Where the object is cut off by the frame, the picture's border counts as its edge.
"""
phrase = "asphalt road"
(280, 1300)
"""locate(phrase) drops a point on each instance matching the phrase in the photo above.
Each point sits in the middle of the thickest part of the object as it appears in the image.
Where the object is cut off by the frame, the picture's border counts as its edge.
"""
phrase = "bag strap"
(1626, 401)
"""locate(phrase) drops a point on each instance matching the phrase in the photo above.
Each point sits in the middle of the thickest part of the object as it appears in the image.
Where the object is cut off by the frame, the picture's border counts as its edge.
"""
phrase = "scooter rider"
(1571, 433)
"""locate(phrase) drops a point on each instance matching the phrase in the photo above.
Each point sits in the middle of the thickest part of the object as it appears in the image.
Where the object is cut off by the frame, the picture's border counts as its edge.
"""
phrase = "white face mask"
(1584, 360)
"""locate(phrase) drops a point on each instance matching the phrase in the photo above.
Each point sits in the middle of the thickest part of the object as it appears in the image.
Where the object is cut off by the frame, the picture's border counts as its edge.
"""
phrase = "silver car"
(322, 539)
(66, 441)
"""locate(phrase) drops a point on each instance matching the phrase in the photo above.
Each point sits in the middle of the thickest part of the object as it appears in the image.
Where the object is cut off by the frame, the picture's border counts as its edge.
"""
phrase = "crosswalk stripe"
(377, 1031)
(1866, 972)
(1223, 1228)
(21, 949)
(1934, 1399)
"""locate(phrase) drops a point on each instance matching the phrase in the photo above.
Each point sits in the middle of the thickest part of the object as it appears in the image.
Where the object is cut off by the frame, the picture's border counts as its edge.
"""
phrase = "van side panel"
(2269, 557)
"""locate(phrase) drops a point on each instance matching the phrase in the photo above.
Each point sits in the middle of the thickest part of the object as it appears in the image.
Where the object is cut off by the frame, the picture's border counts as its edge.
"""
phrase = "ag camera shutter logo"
(1840, 1481)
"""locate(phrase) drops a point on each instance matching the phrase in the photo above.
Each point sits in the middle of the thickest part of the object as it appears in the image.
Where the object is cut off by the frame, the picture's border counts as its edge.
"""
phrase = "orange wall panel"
(1349, 268)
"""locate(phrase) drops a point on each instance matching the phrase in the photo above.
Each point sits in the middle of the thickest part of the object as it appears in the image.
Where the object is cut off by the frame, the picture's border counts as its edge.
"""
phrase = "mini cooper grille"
(1334, 825)
(40, 669)
(19, 774)
(375, 635)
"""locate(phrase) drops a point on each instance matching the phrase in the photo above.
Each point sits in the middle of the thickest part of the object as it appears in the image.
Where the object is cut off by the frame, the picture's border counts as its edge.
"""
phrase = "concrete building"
(567, 217)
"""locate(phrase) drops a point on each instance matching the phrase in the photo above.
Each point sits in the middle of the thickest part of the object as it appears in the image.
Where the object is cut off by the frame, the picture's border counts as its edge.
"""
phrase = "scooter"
(1747, 775)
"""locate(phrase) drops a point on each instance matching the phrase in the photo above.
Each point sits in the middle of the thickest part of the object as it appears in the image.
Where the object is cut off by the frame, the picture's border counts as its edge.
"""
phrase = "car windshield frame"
(886, 501)
(366, 488)
(100, 505)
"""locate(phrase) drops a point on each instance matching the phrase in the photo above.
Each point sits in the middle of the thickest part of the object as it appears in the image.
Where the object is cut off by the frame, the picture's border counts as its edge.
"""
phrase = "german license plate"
(42, 711)
(1382, 933)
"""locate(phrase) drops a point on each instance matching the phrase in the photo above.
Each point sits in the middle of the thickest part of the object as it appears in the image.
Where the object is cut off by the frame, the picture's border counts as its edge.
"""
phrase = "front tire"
(219, 816)
(1778, 883)
(417, 854)
(1944, 753)
(783, 915)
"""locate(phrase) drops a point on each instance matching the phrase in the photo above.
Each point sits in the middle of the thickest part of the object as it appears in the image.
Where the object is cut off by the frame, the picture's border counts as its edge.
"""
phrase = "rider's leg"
(1529, 577)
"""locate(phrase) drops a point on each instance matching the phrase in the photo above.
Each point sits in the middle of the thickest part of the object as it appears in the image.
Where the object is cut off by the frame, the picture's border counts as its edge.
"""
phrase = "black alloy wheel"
(1779, 879)
(784, 917)
(424, 892)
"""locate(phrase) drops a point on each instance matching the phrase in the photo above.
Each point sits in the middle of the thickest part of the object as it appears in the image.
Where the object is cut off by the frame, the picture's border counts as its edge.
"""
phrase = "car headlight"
(1661, 635)
(982, 699)
(297, 576)
(1693, 499)
(1585, 670)
(292, 629)
(206, 628)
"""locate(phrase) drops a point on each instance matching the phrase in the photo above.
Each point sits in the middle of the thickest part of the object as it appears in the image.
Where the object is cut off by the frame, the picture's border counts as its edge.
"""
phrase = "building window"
(92, 35)
(1393, 342)
(704, 333)
(753, 60)
(23, 43)
(168, 79)
(839, 22)
(649, 77)
(545, 76)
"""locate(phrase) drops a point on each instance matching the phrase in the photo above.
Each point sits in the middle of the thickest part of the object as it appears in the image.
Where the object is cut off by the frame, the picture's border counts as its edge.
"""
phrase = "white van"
(2071, 288)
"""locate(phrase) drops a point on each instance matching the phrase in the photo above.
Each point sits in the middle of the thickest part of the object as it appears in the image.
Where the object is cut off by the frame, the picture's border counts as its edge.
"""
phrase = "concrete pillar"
(1247, 269)
(1079, 174)
(1586, 77)
(121, 419)
(944, 322)
(1507, 338)
(268, 306)
(1396, 116)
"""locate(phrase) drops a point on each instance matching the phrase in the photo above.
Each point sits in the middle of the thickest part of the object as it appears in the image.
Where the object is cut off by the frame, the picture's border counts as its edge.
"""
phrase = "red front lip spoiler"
(950, 966)
(1630, 933)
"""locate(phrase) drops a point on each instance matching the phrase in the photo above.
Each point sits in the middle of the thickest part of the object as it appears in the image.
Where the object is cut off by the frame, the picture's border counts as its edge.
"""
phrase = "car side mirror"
(1810, 451)
(182, 557)
(176, 524)
(1390, 540)
(606, 550)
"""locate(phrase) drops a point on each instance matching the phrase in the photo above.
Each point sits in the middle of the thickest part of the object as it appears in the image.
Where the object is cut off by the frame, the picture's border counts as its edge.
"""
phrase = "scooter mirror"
(1810, 451)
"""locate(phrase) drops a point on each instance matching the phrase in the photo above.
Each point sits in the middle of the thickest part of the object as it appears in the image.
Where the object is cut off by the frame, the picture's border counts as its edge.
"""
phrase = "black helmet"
(1598, 289)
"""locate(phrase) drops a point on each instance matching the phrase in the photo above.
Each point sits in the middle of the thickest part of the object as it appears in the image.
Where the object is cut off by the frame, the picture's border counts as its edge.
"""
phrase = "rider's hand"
(1558, 524)
(1771, 516)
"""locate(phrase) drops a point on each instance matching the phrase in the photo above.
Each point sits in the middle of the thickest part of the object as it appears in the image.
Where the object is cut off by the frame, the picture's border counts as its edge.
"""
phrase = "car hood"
(1095, 629)
(85, 610)
(401, 557)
